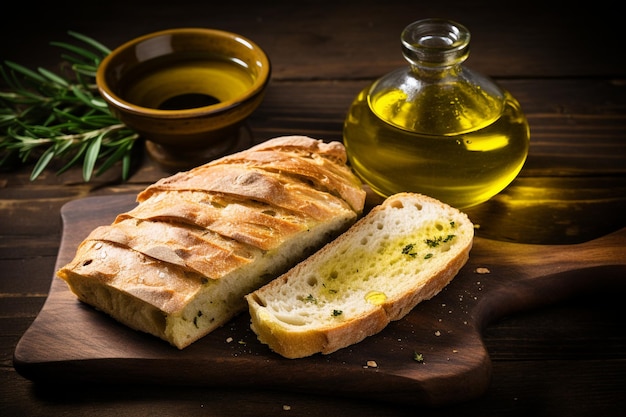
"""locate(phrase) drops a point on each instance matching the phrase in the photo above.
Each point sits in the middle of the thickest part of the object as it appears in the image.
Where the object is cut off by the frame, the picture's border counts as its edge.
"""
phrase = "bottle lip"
(435, 42)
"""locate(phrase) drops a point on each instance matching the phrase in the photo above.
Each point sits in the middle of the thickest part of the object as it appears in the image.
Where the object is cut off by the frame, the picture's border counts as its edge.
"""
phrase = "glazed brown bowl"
(186, 91)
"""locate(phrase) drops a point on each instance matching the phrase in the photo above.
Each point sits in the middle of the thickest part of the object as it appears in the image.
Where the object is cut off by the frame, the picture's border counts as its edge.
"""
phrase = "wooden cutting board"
(72, 342)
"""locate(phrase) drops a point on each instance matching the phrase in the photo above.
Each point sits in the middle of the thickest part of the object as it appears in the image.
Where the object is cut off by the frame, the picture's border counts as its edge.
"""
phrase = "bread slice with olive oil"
(402, 252)
(179, 264)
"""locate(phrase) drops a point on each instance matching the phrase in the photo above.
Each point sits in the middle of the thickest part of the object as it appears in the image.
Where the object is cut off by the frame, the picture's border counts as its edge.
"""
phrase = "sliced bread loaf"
(404, 251)
(179, 264)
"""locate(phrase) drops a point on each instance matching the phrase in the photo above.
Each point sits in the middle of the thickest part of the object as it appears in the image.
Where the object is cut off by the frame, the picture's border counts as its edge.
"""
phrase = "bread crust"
(179, 264)
(328, 336)
(251, 184)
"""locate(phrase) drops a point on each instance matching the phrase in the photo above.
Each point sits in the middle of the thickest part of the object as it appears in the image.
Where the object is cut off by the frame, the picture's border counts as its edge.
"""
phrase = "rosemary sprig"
(46, 116)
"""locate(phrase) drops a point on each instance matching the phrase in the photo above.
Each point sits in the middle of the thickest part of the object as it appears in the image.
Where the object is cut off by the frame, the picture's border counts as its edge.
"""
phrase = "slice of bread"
(179, 264)
(404, 251)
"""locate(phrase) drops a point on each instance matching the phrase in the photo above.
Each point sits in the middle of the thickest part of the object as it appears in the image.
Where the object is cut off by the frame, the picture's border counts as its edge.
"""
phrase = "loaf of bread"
(179, 264)
(402, 252)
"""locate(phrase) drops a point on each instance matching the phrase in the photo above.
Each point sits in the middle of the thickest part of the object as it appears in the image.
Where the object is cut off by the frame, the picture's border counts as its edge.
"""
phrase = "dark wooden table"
(564, 66)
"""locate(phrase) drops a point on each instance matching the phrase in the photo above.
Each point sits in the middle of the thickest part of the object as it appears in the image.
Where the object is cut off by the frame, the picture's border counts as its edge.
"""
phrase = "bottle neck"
(435, 44)
(436, 74)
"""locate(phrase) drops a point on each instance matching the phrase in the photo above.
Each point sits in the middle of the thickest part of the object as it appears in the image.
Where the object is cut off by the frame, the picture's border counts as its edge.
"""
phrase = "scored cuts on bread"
(179, 264)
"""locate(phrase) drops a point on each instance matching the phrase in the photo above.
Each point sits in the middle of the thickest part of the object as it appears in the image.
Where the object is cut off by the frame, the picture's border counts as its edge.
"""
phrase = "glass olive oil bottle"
(436, 127)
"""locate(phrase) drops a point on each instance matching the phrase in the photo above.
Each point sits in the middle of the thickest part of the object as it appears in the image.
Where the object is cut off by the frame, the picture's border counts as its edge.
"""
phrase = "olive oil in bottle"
(436, 128)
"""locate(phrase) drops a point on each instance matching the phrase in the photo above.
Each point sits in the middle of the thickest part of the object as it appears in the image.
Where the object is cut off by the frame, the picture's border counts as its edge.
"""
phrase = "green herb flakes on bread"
(402, 252)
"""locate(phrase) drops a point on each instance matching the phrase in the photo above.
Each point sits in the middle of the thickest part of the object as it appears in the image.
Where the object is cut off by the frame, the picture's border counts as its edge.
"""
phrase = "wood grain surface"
(562, 61)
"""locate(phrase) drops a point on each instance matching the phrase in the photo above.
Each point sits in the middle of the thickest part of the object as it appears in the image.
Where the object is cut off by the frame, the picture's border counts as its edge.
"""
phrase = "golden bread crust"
(179, 264)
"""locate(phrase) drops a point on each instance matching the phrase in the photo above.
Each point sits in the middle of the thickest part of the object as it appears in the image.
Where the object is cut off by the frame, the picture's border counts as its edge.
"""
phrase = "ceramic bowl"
(186, 91)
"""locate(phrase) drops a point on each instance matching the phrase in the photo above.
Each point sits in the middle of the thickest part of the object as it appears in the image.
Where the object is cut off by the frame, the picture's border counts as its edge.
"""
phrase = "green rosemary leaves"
(46, 116)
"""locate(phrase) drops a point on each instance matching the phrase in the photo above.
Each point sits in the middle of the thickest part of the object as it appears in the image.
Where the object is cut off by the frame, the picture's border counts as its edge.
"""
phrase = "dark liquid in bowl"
(188, 101)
